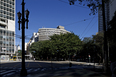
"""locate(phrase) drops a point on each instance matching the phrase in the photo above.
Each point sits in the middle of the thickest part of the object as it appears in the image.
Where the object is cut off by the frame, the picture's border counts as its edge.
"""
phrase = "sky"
(51, 13)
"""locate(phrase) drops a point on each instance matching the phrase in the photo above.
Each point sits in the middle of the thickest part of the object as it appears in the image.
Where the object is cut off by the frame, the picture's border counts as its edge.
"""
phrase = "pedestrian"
(34, 59)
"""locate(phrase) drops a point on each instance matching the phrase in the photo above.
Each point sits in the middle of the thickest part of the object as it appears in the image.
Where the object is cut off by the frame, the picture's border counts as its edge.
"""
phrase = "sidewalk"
(9, 61)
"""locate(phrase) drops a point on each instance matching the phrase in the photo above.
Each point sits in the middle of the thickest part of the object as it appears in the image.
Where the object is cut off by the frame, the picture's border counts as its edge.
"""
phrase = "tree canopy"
(94, 5)
(59, 45)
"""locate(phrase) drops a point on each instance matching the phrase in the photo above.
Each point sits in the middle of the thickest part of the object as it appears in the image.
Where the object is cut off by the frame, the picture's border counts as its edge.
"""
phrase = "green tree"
(93, 48)
(35, 49)
(59, 46)
(66, 44)
(19, 53)
(99, 40)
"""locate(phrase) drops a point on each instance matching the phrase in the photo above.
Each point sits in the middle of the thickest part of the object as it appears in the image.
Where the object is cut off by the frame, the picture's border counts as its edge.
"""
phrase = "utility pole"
(23, 20)
(105, 40)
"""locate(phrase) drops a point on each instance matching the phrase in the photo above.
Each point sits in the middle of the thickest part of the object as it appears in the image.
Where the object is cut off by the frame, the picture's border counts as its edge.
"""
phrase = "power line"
(19, 36)
(90, 28)
(88, 25)
(77, 21)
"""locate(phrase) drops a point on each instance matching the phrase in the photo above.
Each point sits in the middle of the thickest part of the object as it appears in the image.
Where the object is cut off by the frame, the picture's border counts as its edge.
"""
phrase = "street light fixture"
(27, 15)
(19, 17)
(23, 20)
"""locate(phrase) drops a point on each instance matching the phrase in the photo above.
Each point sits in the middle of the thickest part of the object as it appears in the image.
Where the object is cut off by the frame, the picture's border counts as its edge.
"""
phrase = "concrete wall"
(11, 25)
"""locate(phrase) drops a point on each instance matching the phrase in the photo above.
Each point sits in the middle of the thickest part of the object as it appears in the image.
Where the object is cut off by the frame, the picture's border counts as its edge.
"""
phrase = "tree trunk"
(100, 58)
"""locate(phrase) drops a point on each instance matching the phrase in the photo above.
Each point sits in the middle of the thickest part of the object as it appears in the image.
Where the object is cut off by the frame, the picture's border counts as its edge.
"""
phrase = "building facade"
(44, 33)
(112, 8)
(7, 27)
(100, 17)
(33, 39)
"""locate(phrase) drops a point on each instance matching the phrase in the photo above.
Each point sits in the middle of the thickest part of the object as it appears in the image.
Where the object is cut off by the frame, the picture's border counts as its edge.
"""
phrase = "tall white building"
(44, 33)
(7, 27)
(33, 39)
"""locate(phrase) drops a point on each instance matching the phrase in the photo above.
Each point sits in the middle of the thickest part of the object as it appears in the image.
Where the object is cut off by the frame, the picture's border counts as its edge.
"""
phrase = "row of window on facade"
(6, 13)
(3, 48)
(8, 1)
(7, 51)
(51, 33)
(7, 5)
(5, 16)
(6, 32)
(7, 9)
(7, 42)
(7, 37)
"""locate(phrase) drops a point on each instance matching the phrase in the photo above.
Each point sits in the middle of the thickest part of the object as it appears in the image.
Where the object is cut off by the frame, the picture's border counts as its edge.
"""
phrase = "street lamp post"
(23, 20)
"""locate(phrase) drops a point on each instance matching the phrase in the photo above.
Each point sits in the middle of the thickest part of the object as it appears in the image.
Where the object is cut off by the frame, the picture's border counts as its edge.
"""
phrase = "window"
(1, 7)
(0, 42)
(5, 0)
(7, 5)
(4, 4)
(1, 31)
(4, 16)
(1, 3)
(8, 17)
(12, 18)
(2, 20)
(12, 6)
(8, 9)
(13, 3)
(12, 10)
(2, 26)
(8, 13)
(12, 14)
(10, 2)
(1, 37)
(0, 11)
(4, 12)
(5, 8)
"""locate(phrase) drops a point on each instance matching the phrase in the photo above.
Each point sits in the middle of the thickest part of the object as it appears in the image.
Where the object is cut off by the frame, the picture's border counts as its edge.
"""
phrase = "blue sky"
(51, 13)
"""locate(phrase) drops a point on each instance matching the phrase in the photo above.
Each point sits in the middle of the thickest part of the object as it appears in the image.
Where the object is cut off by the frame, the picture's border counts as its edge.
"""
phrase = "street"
(34, 64)
(9, 69)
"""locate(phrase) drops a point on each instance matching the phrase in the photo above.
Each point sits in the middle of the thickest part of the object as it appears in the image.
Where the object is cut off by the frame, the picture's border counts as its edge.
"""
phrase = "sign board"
(19, 51)
(4, 57)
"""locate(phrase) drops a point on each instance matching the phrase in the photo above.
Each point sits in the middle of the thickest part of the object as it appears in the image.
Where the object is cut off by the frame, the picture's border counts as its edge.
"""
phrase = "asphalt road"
(43, 68)
(35, 64)
(8, 69)
(48, 68)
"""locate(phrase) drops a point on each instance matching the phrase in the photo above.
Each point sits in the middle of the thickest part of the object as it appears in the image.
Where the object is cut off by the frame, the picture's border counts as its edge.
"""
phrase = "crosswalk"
(9, 72)
(4, 73)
